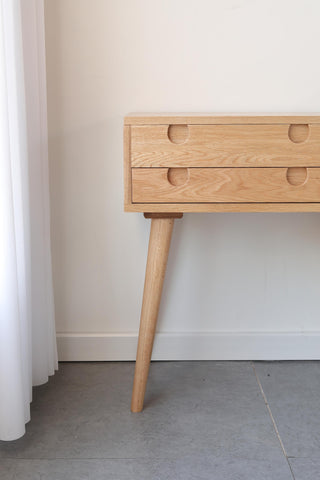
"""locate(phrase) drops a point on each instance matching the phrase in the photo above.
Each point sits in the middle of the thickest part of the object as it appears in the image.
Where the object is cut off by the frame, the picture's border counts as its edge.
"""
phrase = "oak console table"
(176, 163)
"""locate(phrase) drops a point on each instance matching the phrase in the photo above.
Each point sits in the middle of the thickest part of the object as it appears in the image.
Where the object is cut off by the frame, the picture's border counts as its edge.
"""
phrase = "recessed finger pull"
(297, 175)
(178, 133)
(178, 176)
(298, 133)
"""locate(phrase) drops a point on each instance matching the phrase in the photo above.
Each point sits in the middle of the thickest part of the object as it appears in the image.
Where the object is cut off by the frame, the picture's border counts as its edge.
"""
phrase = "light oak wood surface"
(159, 243)
(127, 164)
(223, 207)
(226, 146)
(219, 118)
(228, 140)
(221, 185)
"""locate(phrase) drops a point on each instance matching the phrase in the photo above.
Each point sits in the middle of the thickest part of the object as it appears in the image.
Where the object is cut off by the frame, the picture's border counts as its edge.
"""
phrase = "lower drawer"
(224, 185)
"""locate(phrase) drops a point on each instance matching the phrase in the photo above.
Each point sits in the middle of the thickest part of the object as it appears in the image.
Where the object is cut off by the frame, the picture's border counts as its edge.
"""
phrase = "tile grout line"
(272, 419)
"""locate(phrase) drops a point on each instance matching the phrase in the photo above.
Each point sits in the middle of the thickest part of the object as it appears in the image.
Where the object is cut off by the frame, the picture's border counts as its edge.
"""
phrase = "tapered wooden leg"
(159, 244)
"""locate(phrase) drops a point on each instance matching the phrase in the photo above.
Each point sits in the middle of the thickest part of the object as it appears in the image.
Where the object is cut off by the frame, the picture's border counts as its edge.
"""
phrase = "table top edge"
(219, 118)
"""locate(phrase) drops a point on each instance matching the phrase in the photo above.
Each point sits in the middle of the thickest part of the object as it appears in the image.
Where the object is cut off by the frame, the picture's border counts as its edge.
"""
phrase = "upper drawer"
(269, 145)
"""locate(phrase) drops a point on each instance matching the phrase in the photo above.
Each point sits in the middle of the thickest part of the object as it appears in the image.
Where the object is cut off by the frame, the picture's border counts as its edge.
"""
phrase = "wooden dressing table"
(177, 163)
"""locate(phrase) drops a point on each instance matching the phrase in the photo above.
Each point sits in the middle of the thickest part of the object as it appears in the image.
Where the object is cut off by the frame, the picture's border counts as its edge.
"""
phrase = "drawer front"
(225, 185)
(225, 145)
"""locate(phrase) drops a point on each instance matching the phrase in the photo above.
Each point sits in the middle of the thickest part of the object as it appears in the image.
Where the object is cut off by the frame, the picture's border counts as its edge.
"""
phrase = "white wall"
(238, 285)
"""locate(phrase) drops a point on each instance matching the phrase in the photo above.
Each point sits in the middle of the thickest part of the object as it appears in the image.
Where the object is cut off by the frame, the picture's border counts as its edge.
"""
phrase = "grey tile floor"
(202, 420)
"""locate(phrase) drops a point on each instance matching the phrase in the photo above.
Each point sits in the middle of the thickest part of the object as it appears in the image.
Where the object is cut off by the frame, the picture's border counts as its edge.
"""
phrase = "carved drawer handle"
(178, 176)
(298, 133)
(178, 133)
(297, 175)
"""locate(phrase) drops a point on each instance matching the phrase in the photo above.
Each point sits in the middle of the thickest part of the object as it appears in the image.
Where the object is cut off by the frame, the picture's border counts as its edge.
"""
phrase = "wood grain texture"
(226, 146)
(299, 151)
(221, 185)
(223, 207)
(219, 118)
(159, 244)
(127, 165)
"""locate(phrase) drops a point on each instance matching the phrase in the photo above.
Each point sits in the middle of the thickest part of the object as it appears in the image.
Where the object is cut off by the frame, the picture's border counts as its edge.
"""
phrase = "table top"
(219, 118)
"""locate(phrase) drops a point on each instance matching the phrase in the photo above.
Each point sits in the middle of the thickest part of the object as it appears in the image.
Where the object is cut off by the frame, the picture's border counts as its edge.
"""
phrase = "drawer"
(267, 145)
(224, 185)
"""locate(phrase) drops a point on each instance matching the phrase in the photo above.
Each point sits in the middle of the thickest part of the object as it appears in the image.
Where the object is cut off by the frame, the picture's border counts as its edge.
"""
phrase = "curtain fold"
(27, 334)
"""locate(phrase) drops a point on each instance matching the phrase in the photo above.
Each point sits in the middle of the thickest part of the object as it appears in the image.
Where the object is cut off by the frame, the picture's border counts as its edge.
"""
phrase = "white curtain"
(27, 334)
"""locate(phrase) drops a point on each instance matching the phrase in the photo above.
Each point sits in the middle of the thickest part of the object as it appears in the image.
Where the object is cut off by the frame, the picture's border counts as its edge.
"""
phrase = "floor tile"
(305, 468)
(7, 469)
(293, 390)
(186, 468)
(211, 409)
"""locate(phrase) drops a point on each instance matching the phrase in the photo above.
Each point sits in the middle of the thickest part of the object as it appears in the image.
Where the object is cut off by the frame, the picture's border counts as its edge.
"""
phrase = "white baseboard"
(192, 346)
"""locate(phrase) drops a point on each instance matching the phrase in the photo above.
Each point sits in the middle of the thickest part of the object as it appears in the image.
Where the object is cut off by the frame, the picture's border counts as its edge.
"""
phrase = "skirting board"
(191, 346)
